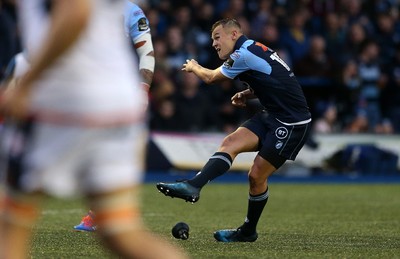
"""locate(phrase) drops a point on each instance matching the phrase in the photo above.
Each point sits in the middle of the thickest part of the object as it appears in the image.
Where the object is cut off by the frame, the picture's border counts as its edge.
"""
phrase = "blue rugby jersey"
(273, 82)
(135, 21)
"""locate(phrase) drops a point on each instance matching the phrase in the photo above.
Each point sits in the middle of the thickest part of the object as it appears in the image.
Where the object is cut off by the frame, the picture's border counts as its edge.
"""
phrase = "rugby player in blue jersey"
(277, 133)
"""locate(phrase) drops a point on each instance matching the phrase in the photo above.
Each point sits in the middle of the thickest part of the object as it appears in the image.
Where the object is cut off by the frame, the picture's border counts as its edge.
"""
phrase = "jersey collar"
(240, 41)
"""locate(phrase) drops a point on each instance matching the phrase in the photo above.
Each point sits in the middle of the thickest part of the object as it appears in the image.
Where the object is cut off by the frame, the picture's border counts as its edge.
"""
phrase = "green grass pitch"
(299, 221)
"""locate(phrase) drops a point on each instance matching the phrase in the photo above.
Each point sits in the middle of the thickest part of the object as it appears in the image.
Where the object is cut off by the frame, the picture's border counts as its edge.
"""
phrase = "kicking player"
(75, 125)
(137, 29)
(277, 133)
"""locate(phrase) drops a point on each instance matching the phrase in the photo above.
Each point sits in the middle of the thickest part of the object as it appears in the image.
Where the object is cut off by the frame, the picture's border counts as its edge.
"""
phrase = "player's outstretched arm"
(207, 75)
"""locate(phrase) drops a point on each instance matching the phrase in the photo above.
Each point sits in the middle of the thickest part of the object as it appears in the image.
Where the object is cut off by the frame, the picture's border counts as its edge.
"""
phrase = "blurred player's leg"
(19, 214)
(121, 227)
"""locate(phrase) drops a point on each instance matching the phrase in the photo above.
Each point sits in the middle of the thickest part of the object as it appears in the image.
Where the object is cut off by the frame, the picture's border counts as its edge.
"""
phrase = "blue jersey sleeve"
(242, 60)
(135, 21)
(234, 65)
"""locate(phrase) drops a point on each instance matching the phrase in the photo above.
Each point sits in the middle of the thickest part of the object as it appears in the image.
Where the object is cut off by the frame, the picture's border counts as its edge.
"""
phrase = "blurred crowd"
(345, 53)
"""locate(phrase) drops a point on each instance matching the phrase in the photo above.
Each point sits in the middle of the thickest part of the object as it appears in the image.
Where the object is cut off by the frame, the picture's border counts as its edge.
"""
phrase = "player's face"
(223, 41)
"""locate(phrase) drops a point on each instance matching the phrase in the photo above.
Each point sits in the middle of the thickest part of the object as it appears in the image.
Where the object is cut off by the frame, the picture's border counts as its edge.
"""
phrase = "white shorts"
(65, 161)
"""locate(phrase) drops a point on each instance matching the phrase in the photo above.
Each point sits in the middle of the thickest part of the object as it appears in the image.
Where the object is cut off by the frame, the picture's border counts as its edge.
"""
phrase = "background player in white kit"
(137, 29)
(63, 141)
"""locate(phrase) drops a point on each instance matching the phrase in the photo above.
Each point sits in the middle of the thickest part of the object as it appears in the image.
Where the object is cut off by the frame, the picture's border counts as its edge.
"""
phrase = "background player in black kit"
(277, 133)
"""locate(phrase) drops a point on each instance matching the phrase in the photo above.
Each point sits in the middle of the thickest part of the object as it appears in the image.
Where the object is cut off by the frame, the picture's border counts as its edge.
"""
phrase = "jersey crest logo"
(229, 63)
(142, 24)
(281, 132)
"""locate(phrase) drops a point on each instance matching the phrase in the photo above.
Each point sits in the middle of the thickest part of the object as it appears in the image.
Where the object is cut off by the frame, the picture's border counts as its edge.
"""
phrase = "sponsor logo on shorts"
(278, 144)
(281, 133)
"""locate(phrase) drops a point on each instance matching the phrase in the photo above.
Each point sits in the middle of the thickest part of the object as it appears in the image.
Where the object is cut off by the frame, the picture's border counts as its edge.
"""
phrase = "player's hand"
(189, 65)
(14, 102)
(239, 99)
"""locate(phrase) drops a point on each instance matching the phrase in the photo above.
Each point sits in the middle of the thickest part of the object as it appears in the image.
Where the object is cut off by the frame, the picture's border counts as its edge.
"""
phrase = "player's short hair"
(227, 22)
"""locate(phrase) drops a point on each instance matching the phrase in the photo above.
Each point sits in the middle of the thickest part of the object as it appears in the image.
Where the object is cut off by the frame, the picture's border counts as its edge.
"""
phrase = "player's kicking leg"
(189, 190)
(217, 165)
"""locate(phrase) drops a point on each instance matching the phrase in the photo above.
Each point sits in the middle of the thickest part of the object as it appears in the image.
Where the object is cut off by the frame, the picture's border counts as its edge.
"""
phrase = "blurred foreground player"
(277, 133)
(58, 140)
(137, 29)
